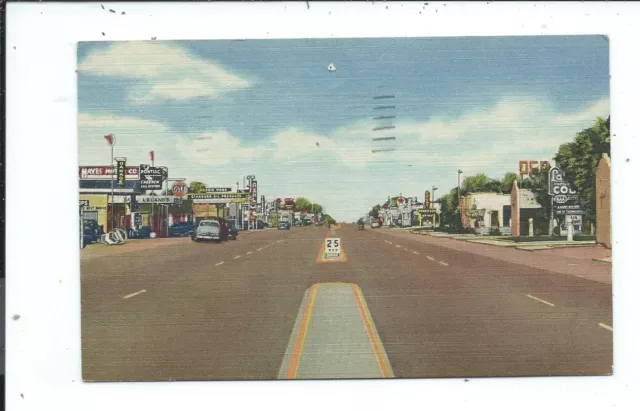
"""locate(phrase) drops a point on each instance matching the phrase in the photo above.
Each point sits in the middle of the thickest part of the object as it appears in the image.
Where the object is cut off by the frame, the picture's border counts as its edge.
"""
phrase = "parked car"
(212, 229)
(375, 224)
(92, 231)
(284, 225)
(233, 229)
(181, 229)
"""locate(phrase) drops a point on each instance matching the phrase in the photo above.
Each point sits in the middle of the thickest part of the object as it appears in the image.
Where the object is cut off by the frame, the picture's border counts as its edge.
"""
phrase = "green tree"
(303, 204)
(196, 187)
(507, 182)
(375, 211)
(580, 158)
(480, 183)
(316, 208)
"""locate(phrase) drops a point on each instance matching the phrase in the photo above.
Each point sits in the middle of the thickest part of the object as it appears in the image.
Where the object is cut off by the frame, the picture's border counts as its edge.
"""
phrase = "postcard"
(345, 208)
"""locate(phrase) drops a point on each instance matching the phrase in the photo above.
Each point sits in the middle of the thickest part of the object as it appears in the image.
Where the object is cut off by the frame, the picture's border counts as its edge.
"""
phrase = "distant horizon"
(214, 111)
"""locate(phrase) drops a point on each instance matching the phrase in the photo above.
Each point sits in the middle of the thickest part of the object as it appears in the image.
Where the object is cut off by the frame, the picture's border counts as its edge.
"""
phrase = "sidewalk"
(575, 261)
(130, 246)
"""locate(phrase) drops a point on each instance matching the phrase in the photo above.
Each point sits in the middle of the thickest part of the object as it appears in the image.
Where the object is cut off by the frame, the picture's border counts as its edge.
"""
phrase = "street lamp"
(459, 208)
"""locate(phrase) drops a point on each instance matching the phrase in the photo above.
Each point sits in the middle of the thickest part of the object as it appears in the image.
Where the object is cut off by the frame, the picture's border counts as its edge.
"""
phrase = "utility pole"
(459, 208)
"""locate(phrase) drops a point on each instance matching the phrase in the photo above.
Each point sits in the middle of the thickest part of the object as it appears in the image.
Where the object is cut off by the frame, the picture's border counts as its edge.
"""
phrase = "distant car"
(214, 229)
(375, 224)
(181, 229)
(284, 225)
(233, 229)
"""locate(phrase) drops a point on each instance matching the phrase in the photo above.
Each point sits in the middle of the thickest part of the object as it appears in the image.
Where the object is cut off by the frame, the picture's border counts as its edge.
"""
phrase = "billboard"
(528, 167)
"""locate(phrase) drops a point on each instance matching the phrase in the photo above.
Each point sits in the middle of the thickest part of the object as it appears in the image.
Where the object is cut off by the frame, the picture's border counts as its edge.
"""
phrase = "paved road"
(228, 311)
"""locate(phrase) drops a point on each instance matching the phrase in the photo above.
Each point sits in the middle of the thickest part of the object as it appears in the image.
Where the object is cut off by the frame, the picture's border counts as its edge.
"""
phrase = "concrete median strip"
(334, 337)
(541, 300)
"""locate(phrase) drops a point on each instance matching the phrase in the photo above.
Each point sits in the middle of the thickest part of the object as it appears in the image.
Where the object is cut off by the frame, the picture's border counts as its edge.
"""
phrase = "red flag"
(151, 155)
(109, 138)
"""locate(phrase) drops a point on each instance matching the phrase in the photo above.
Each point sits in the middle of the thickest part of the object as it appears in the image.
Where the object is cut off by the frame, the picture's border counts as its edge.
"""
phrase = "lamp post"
(111, 140)
(433, 198)
(459, 208)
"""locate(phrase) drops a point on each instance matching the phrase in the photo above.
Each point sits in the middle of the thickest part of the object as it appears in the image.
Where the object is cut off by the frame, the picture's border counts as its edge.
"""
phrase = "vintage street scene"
(345, 208)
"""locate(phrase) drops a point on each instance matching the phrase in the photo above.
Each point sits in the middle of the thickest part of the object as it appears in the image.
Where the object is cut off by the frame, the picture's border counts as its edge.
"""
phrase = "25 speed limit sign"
(332, 247)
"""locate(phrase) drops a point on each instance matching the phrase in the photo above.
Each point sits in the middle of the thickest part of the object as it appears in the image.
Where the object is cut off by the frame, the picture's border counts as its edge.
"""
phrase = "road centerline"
(133, 294)
(606, 327)
(220, 263)
(541, 300)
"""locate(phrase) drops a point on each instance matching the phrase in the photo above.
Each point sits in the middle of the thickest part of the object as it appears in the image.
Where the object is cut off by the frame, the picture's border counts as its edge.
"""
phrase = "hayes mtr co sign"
(107, 173)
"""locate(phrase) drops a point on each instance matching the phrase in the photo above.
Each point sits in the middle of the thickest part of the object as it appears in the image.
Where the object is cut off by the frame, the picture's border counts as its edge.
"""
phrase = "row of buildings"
(126, 199)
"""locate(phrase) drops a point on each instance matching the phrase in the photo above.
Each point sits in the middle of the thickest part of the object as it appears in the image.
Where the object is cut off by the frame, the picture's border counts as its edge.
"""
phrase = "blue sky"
(214, 111)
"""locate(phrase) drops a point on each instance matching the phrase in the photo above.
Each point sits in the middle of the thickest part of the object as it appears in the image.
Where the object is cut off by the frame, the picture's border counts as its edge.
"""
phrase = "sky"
(217, 110)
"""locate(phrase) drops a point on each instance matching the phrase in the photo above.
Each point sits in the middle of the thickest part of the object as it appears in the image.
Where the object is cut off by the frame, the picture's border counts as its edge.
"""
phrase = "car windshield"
(209, 224)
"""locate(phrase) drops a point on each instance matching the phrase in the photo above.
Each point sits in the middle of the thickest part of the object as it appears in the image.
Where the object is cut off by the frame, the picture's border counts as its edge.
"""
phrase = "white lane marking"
(606, 327)
(134, 294)
(388, 242)
(405, 249)
(541, 300)
(220, 263)
(442, 263)
(279, 241)
(259, 249)
(236, 257)
(249, 252)
(415, 252)
(398, 245)
(430, 258)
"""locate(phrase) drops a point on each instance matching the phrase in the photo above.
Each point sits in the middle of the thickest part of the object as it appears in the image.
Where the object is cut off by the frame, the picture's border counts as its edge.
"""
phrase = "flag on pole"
(152, 155)
(109, 138)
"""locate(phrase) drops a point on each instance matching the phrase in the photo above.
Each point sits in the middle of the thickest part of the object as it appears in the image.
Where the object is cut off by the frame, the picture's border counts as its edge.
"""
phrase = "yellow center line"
(375, 343)
(302, 334)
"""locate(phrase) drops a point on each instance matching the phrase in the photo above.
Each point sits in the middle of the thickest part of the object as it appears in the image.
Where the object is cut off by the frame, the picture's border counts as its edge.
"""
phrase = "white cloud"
(338, 169)
(215, 149)
(164, 71)
(135, 137)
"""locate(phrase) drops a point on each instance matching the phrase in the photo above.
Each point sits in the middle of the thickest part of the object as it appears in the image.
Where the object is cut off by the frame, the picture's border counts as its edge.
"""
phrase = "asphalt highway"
(198, 311)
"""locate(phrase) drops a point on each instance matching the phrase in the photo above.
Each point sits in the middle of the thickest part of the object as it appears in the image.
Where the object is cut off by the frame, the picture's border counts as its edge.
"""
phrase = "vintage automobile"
(284, 225)
(211, 229)
(181, 229)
